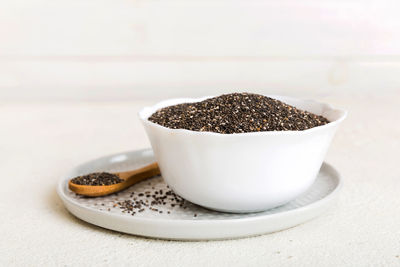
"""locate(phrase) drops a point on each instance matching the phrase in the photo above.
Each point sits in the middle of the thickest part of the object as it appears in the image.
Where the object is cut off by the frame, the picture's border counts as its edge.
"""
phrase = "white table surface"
(40, 142)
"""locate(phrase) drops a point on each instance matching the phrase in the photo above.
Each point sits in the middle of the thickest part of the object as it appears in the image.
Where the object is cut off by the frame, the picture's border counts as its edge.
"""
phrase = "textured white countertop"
(40, 142)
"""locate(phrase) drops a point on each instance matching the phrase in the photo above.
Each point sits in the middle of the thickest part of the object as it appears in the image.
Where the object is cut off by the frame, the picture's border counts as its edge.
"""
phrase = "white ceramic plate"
(181, 223)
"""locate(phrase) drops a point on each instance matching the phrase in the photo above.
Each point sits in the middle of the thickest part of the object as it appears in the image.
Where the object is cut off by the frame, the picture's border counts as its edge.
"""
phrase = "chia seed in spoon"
(97, 178)
(237, 113)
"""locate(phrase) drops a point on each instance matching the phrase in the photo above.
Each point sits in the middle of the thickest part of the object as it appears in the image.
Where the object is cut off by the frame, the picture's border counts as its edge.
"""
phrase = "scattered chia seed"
(160, 201)
(97, 178)
(237, 113)
(151, 202)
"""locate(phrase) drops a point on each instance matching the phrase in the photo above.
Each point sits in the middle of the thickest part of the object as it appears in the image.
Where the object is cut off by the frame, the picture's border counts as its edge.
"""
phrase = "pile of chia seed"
(97, 178)
(237, 113)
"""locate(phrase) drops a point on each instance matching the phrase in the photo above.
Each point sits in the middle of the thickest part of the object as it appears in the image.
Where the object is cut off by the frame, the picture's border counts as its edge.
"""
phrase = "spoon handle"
(135, 176)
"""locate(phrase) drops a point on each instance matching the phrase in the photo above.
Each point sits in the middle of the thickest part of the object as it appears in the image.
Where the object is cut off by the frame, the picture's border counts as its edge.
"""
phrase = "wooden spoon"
(129, 177)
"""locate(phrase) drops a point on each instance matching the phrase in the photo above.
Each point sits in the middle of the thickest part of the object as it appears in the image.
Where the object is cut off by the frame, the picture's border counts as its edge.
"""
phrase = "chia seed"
(237, 113)
(97, 178)
(150, 202)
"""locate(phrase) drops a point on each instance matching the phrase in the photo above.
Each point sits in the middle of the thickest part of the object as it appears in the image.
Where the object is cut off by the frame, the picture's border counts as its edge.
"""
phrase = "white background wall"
(129, 49)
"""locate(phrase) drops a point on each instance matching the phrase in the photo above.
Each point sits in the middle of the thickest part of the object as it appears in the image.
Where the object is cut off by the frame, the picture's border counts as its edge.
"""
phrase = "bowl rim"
(162, 104)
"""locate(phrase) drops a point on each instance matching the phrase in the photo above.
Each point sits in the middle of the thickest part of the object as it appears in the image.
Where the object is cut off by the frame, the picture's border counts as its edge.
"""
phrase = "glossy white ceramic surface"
(244, 172)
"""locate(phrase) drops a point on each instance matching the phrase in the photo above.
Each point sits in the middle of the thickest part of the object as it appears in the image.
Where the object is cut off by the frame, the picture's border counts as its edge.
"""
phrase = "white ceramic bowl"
(243, 172)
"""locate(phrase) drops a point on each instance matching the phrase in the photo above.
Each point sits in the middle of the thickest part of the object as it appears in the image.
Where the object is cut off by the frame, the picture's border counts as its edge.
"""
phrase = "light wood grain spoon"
(129, 177)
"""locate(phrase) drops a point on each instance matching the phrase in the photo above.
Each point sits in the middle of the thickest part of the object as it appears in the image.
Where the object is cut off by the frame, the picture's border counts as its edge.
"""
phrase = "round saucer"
(188, 221)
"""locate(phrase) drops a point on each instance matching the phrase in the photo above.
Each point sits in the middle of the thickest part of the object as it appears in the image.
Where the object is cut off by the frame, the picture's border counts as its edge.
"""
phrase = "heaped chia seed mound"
(237, 113)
